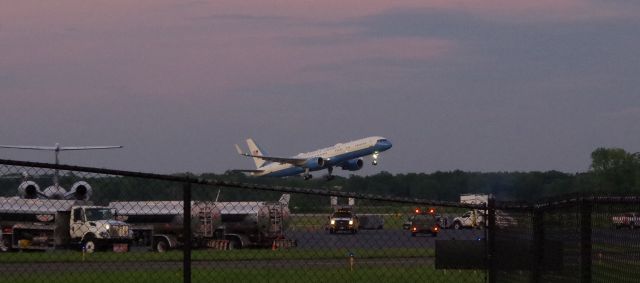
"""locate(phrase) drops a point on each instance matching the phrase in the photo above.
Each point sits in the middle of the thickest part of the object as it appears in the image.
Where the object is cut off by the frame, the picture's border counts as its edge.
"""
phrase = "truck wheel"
(235, 244)
(89, 245)
(161, 245)
(4, 245)
(457, 226)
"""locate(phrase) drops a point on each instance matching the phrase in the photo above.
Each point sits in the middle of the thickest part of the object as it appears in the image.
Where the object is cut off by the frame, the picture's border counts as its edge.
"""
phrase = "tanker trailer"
(159, 224)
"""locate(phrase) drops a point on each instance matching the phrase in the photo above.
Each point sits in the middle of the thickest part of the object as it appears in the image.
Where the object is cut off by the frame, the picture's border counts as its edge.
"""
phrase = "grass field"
(293, 268)
(307, 275)
(208, 255)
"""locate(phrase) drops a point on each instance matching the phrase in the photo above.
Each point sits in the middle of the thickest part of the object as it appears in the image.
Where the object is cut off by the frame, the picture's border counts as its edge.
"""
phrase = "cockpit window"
(382, 140)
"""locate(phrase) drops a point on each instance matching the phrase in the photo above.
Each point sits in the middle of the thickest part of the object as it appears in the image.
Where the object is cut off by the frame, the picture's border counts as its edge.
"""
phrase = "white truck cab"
(95, 226)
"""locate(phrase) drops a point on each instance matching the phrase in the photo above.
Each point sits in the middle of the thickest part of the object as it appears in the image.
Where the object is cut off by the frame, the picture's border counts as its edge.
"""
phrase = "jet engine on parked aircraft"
(353, 164)
(314, 163)
(29, 190)
(79, 191)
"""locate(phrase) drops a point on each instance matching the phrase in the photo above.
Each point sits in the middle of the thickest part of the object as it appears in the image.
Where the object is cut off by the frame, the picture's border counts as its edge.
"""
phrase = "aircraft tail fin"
(254, 149)
(284, 199)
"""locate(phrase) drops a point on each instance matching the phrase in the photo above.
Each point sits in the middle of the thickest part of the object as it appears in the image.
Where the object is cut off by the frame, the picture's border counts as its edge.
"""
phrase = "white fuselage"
(333, 156)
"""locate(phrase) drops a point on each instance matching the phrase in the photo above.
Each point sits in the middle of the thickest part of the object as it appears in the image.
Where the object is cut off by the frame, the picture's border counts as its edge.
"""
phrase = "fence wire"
(99, 227)
(81, 224)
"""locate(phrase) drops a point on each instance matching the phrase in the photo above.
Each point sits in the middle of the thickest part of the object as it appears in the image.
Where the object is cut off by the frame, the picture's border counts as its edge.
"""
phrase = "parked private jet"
(30, 190)
(347, 156)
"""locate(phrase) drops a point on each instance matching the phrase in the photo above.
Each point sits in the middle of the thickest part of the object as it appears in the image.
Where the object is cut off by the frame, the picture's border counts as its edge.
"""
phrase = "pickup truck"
(630, 220)
(471, 219)
(343, 220)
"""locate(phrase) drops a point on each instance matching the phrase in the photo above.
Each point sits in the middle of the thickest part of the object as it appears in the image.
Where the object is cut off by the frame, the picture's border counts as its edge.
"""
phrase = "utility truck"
(478, 218)
(630, 220)
(473, 218)
(45, 224)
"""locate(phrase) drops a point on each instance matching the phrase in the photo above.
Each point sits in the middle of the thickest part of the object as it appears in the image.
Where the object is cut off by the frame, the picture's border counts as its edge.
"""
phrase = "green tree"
(615, 169)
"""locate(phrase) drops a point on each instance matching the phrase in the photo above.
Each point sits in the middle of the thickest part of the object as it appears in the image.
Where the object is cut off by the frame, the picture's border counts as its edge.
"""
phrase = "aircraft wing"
(29, 147)
(292, 161)
(287, 160)
(247, 170)
(89, 147)
(61, 148)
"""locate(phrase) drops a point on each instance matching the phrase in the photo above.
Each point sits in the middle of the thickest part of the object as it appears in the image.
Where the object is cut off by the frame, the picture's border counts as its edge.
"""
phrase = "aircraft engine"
(79, 191)
(353, 164)
(314, 163)
(29, 190)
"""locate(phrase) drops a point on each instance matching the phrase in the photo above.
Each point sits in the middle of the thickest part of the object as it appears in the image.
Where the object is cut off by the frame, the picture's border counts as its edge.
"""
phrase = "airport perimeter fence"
(102, 225)
(574, 239)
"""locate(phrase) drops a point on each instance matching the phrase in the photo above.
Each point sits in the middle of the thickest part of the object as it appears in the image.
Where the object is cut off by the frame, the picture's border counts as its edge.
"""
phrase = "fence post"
(586, 207)
(491, 240)
(186, 232)
(538, 245)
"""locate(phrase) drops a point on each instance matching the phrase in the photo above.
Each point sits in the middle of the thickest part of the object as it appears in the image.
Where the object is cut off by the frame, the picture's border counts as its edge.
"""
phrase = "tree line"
(613, 171)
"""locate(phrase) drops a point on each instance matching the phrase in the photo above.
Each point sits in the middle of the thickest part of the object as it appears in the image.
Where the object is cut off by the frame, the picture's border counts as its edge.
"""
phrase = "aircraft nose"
(384, 145)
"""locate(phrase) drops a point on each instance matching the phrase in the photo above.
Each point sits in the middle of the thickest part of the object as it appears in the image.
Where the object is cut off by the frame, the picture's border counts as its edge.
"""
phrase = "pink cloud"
(158, 47)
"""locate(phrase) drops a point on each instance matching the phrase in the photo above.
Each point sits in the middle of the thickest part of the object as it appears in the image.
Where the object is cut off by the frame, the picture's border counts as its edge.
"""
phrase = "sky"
(493, 85)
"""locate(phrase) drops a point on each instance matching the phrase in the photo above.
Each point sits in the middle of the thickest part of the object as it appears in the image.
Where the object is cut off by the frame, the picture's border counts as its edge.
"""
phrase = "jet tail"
(254, 149)
(284, 199)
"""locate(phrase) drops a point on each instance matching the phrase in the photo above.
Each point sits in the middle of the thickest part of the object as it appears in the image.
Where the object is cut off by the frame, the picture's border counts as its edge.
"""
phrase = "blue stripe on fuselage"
(333, 161)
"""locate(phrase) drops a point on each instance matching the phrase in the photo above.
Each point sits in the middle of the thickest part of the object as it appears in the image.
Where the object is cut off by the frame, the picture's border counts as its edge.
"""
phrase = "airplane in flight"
(79, 190)
(347, 156)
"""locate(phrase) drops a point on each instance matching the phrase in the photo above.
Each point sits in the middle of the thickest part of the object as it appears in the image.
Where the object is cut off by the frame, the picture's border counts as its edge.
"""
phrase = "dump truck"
(45, 224)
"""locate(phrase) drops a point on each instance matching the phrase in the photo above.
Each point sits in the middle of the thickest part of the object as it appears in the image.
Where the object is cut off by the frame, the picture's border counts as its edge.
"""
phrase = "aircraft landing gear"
(306, 174)
(375, 158)
(329, 176)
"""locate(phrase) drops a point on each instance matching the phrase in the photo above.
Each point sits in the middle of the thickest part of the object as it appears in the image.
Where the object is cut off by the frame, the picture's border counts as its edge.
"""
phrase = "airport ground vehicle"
(443, 222)
(221, 225)
(44, 224)
(343, 219)
(629, 220)
(425, 222)
(477, 219)
(473, 218)
(470, 219)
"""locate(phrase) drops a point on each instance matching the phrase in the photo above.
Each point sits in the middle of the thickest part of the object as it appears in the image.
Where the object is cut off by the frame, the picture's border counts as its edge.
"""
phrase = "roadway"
(376, 239)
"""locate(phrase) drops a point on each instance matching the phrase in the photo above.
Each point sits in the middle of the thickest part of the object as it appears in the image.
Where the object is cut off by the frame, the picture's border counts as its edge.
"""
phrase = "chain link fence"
(97, 225)
(574, 239)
